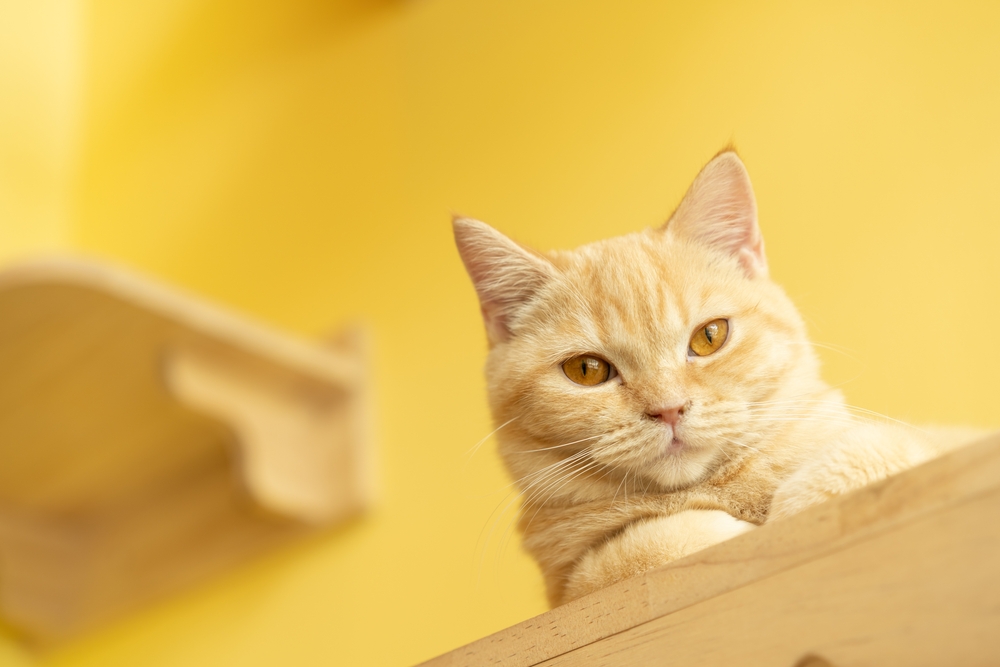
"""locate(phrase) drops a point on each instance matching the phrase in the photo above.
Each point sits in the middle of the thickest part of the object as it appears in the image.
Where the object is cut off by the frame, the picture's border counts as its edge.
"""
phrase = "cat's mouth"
(675, 447)
(679, 462)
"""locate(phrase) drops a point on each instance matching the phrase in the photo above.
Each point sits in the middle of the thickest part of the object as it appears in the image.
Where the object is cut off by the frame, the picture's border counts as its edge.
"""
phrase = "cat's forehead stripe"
(636, 281)
(626, 299)
(613, 289)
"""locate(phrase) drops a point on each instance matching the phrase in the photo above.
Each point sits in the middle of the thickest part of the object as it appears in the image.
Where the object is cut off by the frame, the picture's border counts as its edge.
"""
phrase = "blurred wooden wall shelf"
(904, 572)
(149, 440)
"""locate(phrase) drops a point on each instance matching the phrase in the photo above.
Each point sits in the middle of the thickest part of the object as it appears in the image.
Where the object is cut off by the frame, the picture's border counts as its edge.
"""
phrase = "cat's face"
(648, 355)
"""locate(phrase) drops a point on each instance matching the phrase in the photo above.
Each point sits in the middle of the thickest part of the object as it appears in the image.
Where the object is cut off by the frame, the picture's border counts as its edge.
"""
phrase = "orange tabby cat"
(658, 393)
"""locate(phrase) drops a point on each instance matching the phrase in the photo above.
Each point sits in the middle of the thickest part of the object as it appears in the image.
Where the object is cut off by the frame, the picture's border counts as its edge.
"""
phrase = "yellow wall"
(299, 160)
(40, 83)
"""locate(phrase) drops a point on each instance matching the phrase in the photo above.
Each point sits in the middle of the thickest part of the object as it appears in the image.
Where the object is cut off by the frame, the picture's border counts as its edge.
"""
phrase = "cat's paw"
(649, 544)
(800, 492)
(863, 455)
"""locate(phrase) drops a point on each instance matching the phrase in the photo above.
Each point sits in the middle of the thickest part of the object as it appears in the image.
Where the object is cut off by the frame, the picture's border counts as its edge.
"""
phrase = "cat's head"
(642, 355)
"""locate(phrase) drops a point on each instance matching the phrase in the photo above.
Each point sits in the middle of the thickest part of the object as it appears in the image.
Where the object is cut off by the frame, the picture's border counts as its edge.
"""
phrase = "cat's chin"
(680, 464)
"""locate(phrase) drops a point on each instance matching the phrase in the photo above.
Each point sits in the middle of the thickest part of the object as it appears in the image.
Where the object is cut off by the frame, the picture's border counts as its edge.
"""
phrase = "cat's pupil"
(710, 331)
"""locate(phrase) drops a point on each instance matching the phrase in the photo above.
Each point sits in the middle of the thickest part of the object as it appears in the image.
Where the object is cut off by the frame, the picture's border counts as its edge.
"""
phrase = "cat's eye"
(709, 337)
(588, 370)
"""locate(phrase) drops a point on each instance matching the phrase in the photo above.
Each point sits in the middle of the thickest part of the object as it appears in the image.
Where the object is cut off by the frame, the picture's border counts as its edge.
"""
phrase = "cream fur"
(604, 493)
(649, 543)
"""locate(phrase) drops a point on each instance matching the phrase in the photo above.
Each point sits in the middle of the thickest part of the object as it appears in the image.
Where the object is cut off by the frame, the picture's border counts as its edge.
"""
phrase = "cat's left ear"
(720, 210)
(505, 274)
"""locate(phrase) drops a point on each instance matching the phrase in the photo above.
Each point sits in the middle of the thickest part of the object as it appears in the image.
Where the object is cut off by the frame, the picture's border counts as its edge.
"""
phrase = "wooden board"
(906, 571)
(149, 439)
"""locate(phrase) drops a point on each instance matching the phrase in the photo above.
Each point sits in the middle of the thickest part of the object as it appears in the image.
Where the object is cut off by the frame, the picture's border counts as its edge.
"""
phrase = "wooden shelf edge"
(189, 309)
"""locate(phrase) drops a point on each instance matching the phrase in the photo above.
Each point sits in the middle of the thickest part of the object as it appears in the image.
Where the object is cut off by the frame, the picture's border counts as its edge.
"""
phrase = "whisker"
(847, 352)
(740, 444)
(539, 478)
(475, 448)
(545, 449)
(833, 408)
(564, 480)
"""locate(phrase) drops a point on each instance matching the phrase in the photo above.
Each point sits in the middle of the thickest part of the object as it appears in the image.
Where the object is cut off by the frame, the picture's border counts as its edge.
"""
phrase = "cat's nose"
(668, 414)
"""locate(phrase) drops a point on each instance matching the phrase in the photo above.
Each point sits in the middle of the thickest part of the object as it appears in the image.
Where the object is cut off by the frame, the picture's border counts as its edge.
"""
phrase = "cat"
(657, 393)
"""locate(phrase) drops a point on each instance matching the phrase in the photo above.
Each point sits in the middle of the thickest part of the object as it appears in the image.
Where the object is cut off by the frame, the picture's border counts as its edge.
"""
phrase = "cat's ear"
(719, 210)
(505, 274)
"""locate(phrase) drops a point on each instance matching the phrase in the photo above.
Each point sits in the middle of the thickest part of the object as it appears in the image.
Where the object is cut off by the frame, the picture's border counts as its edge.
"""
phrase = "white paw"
(649, 544)
(864, 455)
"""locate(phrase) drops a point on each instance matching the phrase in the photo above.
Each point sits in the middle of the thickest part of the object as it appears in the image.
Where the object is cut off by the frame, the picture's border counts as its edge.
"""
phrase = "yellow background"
(299, 160)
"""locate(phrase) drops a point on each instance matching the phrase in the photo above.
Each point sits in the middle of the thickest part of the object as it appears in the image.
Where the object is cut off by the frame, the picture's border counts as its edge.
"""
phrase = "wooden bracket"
(287, 427)
(149, 440)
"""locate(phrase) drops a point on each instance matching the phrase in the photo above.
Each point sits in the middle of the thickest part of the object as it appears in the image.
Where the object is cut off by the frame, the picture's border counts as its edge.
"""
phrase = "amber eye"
(710, 337)
(588, 370)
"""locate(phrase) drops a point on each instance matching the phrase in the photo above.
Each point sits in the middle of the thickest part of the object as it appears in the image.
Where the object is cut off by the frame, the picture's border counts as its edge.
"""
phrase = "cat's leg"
(861, 455)
(648, 544)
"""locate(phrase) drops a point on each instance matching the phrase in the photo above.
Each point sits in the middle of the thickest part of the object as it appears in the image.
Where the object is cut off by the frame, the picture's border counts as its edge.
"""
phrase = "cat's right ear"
(720, 211)
(506, 275)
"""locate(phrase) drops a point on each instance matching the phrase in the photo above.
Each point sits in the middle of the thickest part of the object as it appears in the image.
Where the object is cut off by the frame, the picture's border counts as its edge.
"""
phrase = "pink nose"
(667, 414)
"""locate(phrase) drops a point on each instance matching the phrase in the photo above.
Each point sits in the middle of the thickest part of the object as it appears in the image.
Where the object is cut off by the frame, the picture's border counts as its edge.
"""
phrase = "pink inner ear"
(720, 210)
(504, 274)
